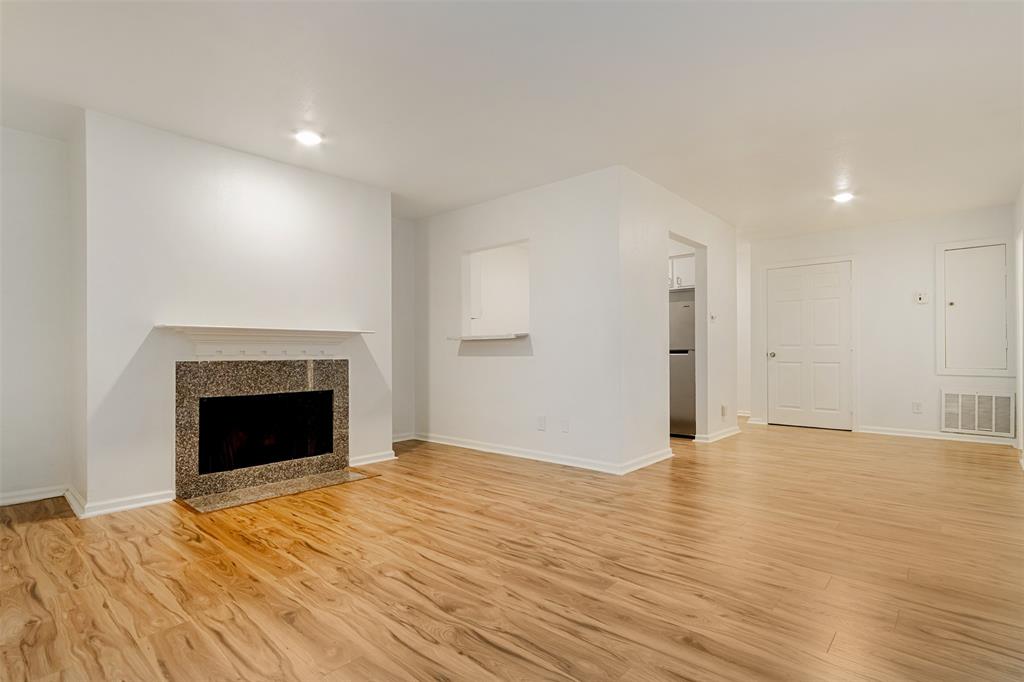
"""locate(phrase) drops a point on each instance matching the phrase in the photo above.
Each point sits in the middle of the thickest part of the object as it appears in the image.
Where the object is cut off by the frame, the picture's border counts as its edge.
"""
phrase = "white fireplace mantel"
(261, 341)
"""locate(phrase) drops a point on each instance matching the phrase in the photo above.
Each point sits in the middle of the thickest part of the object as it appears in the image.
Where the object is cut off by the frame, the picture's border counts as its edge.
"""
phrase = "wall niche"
(496, 292)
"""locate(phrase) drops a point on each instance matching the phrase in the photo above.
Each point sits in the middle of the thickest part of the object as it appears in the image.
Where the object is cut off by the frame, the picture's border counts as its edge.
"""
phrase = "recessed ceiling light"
(308, 138)
(842, 197)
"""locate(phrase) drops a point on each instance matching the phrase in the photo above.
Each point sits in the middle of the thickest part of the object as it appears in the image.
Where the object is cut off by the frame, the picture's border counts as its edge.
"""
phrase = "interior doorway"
(809, 335)
(687, 338)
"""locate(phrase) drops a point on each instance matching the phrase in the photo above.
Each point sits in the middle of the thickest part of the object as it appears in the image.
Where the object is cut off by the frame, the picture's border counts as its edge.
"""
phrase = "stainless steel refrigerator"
(682, 367)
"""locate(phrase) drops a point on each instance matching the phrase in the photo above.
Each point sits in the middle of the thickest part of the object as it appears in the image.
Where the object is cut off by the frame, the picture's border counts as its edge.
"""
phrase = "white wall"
(743, 327)
(649, 213)
(35, 317)
(78, 376)
(403, 327)
(595, 365)
(490, 394)
(895, 348)
(1019, 250)
(180, 231)
(679, 249)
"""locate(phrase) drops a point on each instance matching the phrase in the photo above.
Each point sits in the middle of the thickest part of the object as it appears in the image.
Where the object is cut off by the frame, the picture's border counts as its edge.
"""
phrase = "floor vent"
(983, 414)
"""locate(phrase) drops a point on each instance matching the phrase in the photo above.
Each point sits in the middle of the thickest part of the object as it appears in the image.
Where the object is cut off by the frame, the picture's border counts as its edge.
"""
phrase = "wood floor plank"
(98, 644)
(184, 653)
(53, 549)
(142, 603)
(247, 647)
(30, 645)
(777, 554)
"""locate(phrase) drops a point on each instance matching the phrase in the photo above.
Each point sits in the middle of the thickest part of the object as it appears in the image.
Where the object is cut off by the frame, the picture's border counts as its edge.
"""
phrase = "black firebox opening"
(248, 430)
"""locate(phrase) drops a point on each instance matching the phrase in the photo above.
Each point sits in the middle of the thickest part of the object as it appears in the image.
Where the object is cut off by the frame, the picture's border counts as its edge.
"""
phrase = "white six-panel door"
(809, 330)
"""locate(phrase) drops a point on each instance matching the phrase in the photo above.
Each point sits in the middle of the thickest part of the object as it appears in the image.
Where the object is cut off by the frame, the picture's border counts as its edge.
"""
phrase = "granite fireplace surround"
(202, 379)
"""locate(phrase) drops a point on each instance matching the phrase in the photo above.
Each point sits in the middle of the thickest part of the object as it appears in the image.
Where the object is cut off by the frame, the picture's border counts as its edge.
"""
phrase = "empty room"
(336, 342)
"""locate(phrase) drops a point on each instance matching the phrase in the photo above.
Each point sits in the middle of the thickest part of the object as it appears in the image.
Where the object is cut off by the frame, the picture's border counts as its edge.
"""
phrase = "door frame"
(703, 348)
(854, 396)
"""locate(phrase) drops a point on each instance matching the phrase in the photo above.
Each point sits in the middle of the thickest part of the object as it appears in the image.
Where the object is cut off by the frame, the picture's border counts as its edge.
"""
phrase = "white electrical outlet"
(916, 407)
(565, 425)
(542, 423)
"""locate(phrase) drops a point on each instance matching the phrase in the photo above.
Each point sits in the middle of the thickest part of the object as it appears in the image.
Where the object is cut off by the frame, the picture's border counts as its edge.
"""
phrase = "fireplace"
(245, 423)
(249, 430)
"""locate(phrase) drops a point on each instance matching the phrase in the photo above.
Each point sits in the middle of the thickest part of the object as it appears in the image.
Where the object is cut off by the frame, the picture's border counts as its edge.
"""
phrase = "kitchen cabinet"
(682, 271)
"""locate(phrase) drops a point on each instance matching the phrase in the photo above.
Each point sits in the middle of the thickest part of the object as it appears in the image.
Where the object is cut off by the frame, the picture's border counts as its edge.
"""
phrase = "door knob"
(772, 354)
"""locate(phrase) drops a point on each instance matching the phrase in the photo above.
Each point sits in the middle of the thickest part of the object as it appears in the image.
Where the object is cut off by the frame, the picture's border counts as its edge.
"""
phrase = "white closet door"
(975, 307)
(809, 364)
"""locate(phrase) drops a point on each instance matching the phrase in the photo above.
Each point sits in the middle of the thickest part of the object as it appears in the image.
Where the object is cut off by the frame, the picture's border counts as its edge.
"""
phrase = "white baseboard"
(117, 504)
(717, 435)
(757, 421)
(75, 500)
(399, 437)
(549, 457)
(645, 461)
(371, 458)
(743, 413)
(935, 435)
(31, 494)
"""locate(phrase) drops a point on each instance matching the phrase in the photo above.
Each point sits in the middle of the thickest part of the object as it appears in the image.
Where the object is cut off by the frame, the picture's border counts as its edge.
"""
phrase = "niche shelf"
(490, 337)
(210, 340)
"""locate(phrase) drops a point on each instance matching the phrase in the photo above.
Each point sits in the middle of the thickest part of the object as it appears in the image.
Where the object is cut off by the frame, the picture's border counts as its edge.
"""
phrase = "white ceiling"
(756, 112)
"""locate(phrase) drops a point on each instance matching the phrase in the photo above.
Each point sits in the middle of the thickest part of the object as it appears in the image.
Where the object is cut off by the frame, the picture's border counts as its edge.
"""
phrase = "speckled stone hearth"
(195, 380)
(258, 493)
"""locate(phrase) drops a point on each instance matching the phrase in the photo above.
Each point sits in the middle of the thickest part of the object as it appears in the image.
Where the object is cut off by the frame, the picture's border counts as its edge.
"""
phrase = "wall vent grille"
(983, 414)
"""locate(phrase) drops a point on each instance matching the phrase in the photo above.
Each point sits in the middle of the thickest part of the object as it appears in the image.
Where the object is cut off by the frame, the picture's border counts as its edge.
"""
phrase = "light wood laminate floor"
(776, 554)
